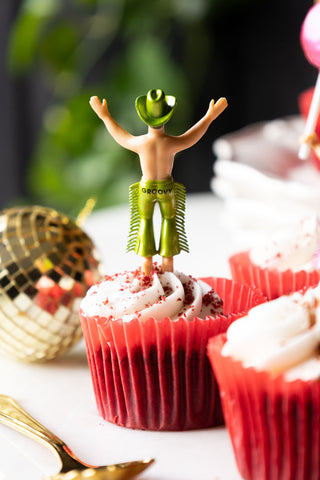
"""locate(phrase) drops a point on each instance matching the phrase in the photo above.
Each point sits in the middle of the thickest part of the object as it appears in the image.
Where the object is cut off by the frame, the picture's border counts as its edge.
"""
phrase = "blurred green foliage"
(117, 49)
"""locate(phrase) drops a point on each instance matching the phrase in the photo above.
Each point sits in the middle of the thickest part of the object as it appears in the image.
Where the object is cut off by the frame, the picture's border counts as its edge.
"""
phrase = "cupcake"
(287, 263)
(146, 338)
(267, 367)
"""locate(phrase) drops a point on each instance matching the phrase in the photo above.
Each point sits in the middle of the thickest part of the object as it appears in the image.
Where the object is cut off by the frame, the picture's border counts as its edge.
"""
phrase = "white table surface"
(59, 394)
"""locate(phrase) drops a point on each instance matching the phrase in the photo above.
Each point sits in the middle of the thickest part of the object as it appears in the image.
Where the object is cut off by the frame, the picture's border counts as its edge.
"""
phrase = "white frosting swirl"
(131, 295)
(282, 335)
(294, 248)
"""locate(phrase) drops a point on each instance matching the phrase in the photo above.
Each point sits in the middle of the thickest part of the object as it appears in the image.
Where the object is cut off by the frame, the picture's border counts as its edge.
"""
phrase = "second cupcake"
(288, 262)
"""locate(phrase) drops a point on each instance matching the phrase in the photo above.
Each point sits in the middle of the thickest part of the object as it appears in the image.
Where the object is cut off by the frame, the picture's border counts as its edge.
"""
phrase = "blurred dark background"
(57, 53)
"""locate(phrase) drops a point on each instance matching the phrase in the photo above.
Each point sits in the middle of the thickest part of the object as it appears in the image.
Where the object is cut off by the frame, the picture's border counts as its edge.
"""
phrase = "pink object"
(310, 41)
(310, 35)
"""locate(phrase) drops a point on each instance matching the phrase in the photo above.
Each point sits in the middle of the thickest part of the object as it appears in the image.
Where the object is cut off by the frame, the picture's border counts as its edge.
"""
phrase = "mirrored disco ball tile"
(47, 263)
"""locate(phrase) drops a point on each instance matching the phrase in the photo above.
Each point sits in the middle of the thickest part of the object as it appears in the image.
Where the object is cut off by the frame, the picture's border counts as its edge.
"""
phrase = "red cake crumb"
(188, 289)
(211, 298)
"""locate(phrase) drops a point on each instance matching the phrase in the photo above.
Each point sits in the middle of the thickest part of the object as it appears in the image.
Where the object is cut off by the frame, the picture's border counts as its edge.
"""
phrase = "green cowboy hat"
(155, 108)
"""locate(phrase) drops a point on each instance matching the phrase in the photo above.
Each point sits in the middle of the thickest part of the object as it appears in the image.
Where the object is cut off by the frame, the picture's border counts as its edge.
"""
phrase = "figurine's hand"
(101, 109)
(216, 108)
(312, 139)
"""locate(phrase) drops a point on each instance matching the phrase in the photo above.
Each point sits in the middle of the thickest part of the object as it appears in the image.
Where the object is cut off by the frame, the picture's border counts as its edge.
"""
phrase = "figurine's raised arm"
(120, 135)
(191, 136)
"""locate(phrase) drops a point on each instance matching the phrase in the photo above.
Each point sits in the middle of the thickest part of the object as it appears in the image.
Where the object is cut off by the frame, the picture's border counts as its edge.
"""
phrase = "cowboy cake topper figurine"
(156, 151)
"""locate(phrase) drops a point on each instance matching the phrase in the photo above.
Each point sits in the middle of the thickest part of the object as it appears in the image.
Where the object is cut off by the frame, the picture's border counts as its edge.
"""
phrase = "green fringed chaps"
(171, 198)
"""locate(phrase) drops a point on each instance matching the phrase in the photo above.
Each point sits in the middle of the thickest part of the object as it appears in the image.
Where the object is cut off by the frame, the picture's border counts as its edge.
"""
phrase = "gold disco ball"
(47, 263)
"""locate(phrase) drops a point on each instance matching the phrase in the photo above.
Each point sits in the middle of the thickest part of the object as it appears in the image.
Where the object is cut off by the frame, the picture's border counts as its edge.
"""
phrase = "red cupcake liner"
(273, 424)
(156, 375)
(272, 283)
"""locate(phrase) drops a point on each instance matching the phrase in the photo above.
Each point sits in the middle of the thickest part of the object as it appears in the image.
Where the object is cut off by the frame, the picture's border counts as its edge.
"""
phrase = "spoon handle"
(13, 415)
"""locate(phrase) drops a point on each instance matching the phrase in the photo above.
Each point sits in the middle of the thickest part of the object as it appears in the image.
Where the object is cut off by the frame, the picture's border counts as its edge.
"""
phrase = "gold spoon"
(13, 415)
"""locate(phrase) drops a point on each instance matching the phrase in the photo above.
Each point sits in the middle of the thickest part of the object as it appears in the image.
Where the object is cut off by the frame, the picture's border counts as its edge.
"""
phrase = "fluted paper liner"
(155, 374)
(272, 283)
(273, 423)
